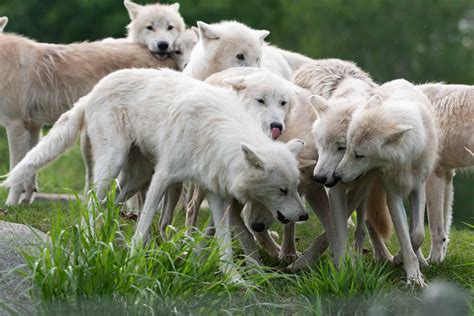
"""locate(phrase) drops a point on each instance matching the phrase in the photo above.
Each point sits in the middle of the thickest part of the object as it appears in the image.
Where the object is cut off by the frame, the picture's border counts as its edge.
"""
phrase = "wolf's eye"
(284, 191)
(358, 156)
(170, 27)
(177, 52)
(262, 101)
(283, 103)
(240, 57)
(340, 148)
(149, 28)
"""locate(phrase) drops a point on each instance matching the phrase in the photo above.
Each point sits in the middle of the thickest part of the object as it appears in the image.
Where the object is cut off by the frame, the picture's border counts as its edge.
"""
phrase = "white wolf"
(3, 23)
(395, 134)
(183, 46)
(294, 60)
(55, 76)
(191, 131)
(454, 111)
(224, 45)
(346, 87)
(155, 25)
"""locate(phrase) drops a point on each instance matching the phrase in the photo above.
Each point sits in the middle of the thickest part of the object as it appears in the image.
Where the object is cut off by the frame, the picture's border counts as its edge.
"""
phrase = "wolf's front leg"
(158, 185)
(338, 233)
(21, 138)
(221, 220)
(245, 237)
(170, 201)
(399, 218)
(288, 253)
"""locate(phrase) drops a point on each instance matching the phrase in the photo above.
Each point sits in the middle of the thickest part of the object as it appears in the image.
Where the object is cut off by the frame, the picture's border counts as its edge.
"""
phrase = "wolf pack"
(215, 113)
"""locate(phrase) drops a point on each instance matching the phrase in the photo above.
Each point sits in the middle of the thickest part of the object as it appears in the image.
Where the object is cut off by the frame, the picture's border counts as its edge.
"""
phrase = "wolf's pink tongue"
(275, 133)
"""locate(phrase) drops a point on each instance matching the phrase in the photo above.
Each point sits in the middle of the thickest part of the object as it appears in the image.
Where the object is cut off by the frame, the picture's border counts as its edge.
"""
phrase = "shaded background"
(421, 41)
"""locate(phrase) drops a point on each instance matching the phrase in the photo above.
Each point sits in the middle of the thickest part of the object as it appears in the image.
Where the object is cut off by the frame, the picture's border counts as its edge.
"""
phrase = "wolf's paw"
(417, 279)
(288, 257)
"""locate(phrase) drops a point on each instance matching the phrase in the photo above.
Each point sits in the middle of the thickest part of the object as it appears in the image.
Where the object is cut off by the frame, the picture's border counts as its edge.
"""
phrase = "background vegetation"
(421, 41)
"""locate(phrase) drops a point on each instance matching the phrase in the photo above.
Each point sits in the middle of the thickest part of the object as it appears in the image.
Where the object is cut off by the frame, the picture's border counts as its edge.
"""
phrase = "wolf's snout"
(320, 179)
(258, 227)
(303, 217)
(163, 46)
(282, 218)
(276, 129)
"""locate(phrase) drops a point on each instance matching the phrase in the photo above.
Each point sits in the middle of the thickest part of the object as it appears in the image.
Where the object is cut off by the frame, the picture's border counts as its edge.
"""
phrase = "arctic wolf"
(346, 87)
(183, 46)
(454, 111)
(57, 75)
(191, 131)
(224, 45)
(294, 60)
(155, 25)
(395, 134)
(266, 96)
(3, 23)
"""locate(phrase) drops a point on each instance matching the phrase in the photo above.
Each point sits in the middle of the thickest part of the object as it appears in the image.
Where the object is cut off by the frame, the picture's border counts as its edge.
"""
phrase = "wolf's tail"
(377, 210)
(59, 139)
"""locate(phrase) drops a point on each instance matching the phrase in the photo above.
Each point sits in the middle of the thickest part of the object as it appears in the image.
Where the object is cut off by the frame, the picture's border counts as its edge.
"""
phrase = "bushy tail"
(377, 211)
(59, 139)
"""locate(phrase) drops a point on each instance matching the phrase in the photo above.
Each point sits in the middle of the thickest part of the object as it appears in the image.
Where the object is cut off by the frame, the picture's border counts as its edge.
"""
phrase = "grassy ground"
(196, 285)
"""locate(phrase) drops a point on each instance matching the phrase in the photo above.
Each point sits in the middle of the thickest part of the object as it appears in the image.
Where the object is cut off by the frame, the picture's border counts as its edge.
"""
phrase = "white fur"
(191, 131)
(183, 46)
(3, 23)
(453, 106)
(394, 134)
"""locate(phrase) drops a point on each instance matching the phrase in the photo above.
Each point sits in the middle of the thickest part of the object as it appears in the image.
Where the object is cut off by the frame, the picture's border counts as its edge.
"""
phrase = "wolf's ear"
(132, 8)
(237, 83)
(3, 23)
(396, 132)
(295, 146)
(374, 102)
(262, 34)
(175, 6)
(206, 32)
(320, 104)
(252, 157)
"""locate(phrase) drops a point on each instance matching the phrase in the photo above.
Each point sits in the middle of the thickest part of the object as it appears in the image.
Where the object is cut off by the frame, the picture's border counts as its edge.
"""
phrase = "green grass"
(80, 274)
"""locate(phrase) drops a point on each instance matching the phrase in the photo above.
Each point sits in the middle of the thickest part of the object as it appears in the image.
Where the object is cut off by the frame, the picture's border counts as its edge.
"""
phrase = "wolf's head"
(3, 23)
(224, 45)
(259, 217)
(156, 25)
(330, 132)
(373, 141)
(268, 96)
(271, 178)
(183, 46)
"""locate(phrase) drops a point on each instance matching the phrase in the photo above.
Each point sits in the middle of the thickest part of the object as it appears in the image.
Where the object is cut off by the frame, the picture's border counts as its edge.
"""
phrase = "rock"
(14, 294)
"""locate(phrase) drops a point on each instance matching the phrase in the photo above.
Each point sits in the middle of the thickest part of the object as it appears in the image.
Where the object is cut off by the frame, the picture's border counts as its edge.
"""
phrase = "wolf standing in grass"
(191, 131)
(395, 134)
(41, 81)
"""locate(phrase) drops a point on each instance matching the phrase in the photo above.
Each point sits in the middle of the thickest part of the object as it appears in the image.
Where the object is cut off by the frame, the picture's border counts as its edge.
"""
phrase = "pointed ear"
(206, 32)
(132, 8)
(374, 101)
(262, 34)
(252, 157)
(396, 132)
(320, 104)
(3, 23)
(237, 83)
(175, 6)
(295, 145)
(195, 30)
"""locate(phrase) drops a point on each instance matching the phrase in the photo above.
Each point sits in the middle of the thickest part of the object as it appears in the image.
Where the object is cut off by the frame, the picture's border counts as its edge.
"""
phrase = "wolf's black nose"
(276, 125)
(320, 179)
(258, 227)
(303, 217)
(163, 46)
